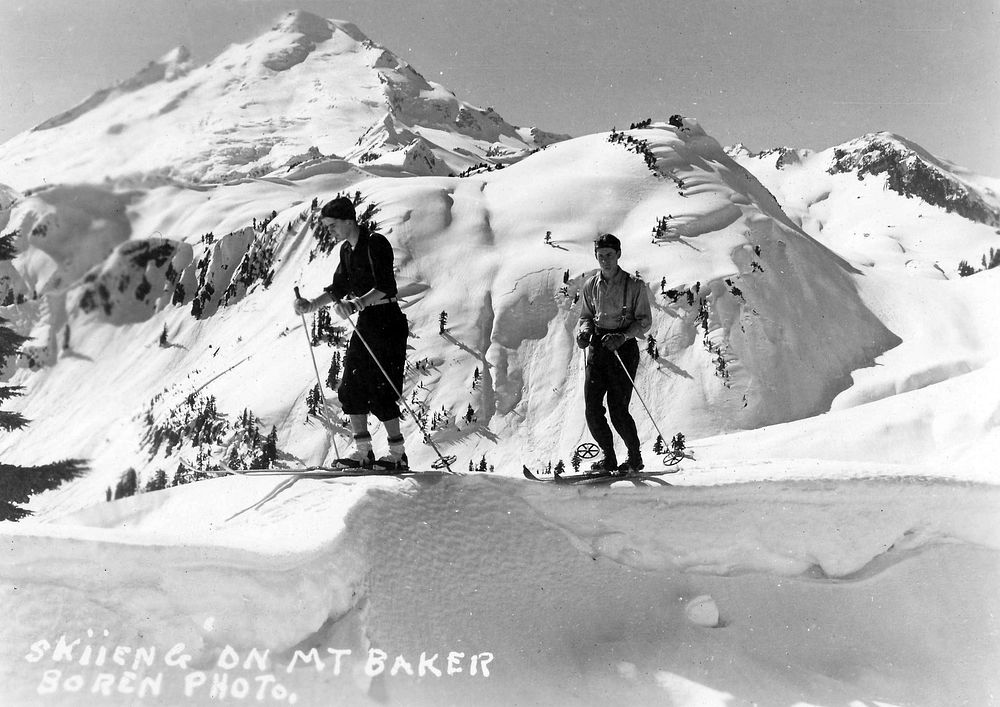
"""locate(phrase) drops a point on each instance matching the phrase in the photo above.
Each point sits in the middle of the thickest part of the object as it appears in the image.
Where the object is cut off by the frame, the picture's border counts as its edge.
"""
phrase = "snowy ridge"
(881, 200)
(756, 323)
(171, 66)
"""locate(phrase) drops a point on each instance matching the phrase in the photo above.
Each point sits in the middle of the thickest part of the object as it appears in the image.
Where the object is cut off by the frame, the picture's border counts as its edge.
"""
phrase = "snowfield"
(830, 538)
(486, 590)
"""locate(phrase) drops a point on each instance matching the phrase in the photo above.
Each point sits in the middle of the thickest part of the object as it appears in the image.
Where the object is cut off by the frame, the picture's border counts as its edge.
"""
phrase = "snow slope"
(829, 591)
(787, 333)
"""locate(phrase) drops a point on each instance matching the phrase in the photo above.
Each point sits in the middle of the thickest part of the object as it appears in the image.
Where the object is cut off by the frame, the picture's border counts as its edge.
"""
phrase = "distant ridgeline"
(911, 176)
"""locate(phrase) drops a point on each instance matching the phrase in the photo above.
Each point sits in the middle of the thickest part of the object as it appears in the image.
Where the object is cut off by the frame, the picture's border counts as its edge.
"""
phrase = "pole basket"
(673, 458)
(444, 462)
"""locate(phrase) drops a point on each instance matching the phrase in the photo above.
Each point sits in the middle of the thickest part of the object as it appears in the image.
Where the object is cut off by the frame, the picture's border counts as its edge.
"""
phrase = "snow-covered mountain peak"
(306, 23)
(913, 172)
(308, 86)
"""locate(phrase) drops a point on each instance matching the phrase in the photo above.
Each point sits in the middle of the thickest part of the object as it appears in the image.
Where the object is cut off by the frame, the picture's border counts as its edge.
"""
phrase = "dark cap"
(339, 208)
(608, 240)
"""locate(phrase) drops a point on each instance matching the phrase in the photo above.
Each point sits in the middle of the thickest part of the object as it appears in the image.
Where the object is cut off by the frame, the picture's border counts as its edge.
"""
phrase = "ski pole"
(637, 393)
(319, 381)
(427, 438)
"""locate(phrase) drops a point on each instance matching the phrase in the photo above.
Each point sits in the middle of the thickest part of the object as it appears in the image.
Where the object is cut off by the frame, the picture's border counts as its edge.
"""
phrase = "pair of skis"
(598, 477)
(325, 472)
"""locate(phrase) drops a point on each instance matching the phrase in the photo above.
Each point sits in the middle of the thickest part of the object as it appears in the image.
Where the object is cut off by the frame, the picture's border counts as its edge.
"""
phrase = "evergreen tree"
(269, 451)
(988, 262)
(658, 445)
(180, 476)
(560, 467)
(127, 485)
(8, 250)
(19, 483)
(442, 321)
(314, 401)
(651, 349)
(157, 482)
(333, 376)
(163, 337)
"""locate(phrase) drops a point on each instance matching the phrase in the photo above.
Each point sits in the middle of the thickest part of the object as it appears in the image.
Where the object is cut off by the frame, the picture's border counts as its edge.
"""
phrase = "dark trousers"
(364, 389)
(607, 378)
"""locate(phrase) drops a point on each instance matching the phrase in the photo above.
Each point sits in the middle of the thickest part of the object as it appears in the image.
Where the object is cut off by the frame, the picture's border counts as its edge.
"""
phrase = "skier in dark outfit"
(615, 312)
(364, 284)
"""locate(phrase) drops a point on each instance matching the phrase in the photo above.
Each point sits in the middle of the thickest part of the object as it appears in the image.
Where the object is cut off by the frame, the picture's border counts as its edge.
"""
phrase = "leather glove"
(612, 341)
(355, 303)
(583, 338)
(302, 306)
(348, 306)
(343, 309)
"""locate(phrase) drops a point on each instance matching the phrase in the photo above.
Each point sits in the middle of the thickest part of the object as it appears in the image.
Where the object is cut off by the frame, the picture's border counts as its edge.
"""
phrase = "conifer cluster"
(633, 144)
(19, 483)
(964, 269)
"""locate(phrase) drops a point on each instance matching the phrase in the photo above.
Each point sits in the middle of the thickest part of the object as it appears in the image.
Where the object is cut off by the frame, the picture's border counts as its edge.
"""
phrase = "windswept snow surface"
(479, 590)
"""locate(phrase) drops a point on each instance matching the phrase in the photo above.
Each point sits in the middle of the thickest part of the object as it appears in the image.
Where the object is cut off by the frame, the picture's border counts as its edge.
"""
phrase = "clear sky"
(801, 73)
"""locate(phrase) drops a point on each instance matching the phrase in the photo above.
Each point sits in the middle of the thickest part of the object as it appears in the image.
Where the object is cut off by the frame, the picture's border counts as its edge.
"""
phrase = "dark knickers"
(607, 378)
(364, 389)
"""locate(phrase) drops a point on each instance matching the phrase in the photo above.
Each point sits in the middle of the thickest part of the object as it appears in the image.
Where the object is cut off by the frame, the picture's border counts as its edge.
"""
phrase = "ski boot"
(392, 463)
(357, 461)
(631, 465)
(395, 460)
(607, 465)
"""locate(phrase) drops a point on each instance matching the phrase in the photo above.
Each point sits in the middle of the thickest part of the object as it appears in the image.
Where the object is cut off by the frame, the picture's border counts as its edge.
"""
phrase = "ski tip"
(529, 474)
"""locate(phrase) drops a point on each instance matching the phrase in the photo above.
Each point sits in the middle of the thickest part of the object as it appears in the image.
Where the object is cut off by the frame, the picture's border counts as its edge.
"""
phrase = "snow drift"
(484, 590)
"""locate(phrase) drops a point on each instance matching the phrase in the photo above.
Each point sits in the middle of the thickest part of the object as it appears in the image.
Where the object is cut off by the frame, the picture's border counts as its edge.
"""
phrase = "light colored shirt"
(620, 303)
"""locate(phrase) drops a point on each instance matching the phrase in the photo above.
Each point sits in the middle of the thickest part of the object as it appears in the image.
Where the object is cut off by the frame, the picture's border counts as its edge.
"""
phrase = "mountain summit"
(307, 93)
